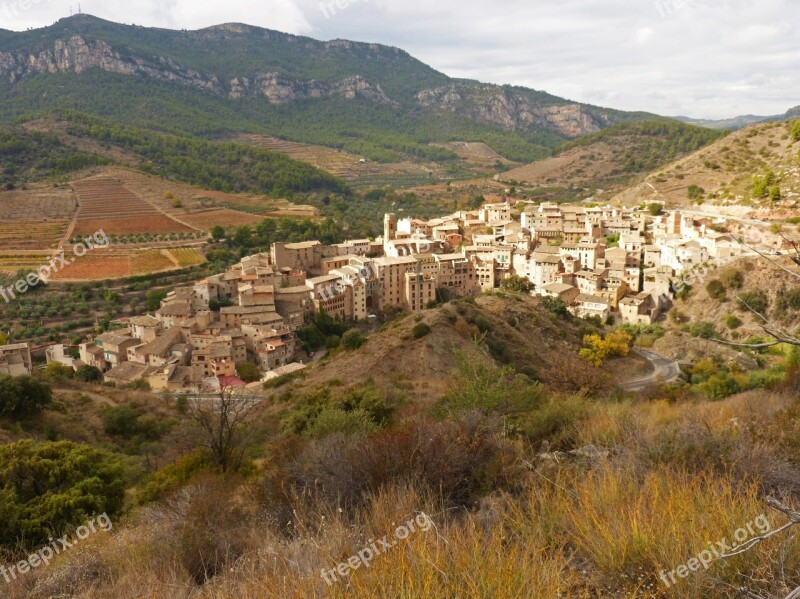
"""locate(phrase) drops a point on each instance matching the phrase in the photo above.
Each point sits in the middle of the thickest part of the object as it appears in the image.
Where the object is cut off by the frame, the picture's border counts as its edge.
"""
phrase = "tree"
(3, 339)
(218, 233)
(23, 396)
(224, 425)
(248, 372)
(517, 284)
(353, 339)
(655, 208)
(47, 488)
(597, 349)
(153, 299)
(88, 374)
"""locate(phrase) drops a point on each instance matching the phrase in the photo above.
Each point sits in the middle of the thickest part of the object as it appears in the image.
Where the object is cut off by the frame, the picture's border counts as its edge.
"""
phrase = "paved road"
(664, 370)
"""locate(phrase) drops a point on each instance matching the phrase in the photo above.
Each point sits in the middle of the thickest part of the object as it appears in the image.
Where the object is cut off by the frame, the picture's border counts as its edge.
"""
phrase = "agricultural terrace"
(36, 218)
(118, 264)
(108, 205)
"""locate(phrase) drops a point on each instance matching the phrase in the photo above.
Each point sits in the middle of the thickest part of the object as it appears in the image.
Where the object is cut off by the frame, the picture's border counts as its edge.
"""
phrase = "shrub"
(336, 420)
(460, 461)
(365, 399)
(420, 330)
(353, 339)
(126, 421)
(732, 321)
(732, 278)
(696, 192)
(47, 488)
(716, 290)
(705, 330)
(754, 300)
(23, 396)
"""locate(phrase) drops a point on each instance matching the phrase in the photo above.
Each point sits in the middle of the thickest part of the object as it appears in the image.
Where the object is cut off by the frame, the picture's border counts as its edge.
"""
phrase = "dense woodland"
(28, 156)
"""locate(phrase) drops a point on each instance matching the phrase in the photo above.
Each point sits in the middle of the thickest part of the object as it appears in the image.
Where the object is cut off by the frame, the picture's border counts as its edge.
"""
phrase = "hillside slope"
(722, 174)
(506, 327)
(610, 159)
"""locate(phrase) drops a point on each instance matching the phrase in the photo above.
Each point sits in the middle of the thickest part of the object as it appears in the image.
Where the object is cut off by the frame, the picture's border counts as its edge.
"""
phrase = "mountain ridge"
(260, 70)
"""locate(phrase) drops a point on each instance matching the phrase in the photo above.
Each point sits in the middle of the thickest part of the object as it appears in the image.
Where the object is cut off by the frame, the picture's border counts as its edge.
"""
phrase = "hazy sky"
(700, 58)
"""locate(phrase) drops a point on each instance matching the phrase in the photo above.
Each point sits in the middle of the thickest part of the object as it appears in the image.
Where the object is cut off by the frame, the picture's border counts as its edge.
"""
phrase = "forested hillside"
(229, 167)
(369, 99)
(26, 155)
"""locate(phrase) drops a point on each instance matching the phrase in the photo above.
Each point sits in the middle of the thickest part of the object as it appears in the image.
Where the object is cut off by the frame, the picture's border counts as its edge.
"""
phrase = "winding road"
(664, 370)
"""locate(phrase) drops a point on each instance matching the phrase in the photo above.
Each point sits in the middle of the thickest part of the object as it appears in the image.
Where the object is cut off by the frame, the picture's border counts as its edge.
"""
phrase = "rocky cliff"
(511, 109)
(508, 108)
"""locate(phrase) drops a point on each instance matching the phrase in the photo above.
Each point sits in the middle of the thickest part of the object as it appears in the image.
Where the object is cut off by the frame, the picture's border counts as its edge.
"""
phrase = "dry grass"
(572, 529)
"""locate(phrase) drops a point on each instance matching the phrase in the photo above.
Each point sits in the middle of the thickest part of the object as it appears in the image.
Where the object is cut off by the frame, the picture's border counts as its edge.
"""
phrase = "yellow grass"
(188, 257)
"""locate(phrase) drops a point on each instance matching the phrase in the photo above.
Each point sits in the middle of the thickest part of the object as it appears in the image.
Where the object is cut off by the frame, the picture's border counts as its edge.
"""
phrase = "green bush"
(23, 396)
(716, 290)
(732, 278)
(353, 339)
(732, 321)
(50, 487)
(127, 422)
(754, 300)
(420, 330)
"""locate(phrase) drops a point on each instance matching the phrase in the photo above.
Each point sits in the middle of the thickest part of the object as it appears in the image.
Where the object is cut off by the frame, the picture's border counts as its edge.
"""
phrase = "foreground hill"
(369, 99)
(421, 474)
(607, 161)
(754, 168)
(426, 367)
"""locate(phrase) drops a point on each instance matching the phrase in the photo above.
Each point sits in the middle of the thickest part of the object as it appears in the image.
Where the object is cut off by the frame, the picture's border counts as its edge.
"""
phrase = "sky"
(698, 58)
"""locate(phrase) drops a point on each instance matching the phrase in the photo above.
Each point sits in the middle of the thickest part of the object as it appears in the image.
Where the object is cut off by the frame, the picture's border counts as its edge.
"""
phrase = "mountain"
(366, 98)
(740, 122)
(732, 124)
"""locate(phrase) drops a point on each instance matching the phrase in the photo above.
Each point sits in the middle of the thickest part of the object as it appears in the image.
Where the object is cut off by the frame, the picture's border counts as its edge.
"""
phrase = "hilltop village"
(612, 263)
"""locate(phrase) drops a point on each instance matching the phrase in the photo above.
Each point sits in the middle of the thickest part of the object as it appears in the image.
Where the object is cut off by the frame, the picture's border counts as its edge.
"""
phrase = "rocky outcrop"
(77, 55)
(510, 109)
(280, 90)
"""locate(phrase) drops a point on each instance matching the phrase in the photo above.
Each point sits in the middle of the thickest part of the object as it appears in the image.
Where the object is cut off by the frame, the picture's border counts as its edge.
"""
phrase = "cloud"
(703, 58)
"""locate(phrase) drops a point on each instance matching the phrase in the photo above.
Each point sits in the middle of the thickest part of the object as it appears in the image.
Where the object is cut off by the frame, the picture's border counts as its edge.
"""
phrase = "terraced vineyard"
(105, 204)
(35, 218)
(188, 257)
(343, 164)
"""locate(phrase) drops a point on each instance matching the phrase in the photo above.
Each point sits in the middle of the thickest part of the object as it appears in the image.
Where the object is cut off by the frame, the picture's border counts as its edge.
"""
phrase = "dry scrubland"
(678, 477)
(511, 518)
(725, 170)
